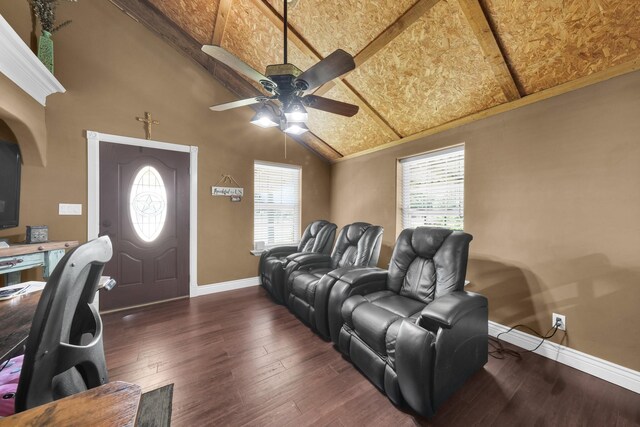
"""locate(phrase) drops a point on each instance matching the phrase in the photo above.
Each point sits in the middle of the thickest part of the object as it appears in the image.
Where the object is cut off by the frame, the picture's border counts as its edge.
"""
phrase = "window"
(148, 203)
(276, 209)
(433, 189)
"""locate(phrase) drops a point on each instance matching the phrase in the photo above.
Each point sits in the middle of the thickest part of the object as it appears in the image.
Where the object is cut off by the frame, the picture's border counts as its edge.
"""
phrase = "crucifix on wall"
(147, 123)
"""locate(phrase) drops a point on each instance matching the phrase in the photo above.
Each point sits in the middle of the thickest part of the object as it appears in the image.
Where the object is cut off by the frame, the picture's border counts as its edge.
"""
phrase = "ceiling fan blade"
(235, 63)
(236, 104)
(330, 105)
(334, 65)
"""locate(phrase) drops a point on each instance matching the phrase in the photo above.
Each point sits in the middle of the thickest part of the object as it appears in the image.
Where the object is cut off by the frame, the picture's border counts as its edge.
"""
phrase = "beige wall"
(114, 70)
(6, 134)
(25, 117)
(552, 198)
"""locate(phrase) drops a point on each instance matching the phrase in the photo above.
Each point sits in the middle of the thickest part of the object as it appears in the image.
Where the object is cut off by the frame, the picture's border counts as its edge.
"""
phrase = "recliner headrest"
(316, 226)
(355, 231)
(317, 237)
(358, 244)
(427, 240)
(428, 262)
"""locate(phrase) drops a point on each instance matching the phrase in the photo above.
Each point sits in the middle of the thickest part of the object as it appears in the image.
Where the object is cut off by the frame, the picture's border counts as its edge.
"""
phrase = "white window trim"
(299, 236)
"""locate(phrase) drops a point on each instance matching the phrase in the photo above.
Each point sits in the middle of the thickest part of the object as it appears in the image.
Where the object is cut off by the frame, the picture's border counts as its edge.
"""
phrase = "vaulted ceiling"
(421, 65)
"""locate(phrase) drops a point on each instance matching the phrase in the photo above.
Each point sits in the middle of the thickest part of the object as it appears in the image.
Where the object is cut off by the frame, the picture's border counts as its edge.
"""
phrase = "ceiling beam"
(493, 55)
(221, 21)
(148, 15)
(276, 19)
(313, 141)
(413, 14)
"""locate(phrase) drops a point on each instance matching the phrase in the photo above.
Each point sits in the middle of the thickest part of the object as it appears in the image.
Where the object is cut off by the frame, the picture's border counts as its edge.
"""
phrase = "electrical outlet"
(555, 318)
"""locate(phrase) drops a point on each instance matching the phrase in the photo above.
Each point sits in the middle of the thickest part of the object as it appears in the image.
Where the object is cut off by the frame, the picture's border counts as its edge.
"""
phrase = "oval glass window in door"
(148, 203)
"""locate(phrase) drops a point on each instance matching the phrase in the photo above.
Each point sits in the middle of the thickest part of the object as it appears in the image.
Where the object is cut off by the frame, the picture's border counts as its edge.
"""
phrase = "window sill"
(256, 252)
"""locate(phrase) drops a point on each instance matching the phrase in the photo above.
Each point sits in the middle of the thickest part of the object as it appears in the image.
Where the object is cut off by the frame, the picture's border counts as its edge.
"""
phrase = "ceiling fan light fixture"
(288, 86)
(295, 112)
(264, 118)
(295, 128)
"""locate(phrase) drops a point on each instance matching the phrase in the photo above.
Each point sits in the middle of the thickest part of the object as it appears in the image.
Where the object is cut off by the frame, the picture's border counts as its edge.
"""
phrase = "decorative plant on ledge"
(45, 11)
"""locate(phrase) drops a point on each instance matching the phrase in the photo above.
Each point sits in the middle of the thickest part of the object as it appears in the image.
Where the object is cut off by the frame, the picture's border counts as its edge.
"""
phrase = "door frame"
(93, 190)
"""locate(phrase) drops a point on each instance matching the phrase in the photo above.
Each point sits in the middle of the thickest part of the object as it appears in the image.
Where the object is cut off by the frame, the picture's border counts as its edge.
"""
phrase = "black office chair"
(64, 353)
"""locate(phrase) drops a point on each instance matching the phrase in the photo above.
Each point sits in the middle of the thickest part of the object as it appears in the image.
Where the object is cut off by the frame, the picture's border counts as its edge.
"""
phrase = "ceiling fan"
(290, 86)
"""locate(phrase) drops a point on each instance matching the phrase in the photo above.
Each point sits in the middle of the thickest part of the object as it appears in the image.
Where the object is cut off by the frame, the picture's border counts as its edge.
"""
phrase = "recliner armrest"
(350, 282)
(437, 355)
(277, 252)
(308, 260)
(446, 311)
(303, 261)
(280, 251)
(359, 276)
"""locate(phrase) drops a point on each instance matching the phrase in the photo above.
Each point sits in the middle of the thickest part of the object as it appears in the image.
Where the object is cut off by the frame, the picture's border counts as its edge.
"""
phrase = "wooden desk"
(16, 258)
(113, 404)
(16, 315)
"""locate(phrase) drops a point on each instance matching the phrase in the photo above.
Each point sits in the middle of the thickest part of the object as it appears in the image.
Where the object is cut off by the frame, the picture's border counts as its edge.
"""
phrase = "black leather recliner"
(413, 330)
(318, 237)
(310, 277)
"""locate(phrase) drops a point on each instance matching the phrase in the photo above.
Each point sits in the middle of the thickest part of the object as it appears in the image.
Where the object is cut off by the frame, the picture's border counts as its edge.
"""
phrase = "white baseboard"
(226, 286)
(608, 371)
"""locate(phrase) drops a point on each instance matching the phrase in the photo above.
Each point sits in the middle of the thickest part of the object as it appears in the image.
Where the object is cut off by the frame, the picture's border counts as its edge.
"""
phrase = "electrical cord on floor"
(500, 352)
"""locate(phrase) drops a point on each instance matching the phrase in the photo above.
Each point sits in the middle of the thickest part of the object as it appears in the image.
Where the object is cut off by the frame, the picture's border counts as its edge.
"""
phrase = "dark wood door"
(144, 209)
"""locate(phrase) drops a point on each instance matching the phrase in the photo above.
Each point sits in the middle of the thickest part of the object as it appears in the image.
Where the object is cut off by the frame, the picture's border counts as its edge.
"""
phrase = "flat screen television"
(9, 184)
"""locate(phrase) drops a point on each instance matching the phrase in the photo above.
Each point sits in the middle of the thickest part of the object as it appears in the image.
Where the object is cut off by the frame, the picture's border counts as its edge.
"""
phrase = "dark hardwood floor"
(237, 358)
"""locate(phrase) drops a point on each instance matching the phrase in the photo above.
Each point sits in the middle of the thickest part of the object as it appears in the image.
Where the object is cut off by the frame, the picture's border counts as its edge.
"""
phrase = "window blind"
(433, 189)
(276, 209)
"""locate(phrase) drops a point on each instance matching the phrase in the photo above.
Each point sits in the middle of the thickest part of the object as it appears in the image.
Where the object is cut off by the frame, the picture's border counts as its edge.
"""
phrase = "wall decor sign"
(227, 191)
(228, 187)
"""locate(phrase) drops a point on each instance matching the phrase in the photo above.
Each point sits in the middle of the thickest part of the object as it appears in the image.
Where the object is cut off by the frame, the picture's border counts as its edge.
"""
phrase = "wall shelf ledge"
(23, 67)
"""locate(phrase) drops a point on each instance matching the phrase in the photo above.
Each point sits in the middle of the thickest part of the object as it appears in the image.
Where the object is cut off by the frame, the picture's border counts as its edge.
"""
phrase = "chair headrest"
(316, 226)
(427, 240)
(355, 231)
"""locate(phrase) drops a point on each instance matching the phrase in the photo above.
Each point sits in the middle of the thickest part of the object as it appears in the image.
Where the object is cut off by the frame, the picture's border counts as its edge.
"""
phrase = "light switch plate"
(70, 209)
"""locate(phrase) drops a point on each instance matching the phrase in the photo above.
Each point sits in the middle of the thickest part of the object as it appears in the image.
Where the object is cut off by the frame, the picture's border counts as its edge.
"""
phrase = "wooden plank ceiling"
(421, 63)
